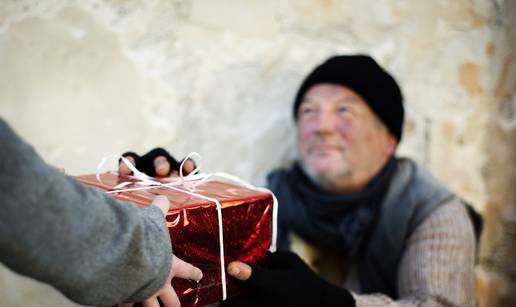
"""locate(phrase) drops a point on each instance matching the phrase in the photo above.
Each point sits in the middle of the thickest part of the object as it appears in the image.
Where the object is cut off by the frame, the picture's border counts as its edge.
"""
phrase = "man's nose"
(325, 122)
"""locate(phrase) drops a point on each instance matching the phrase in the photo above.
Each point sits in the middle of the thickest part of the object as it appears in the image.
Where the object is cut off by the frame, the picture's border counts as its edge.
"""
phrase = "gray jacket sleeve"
(91, 247)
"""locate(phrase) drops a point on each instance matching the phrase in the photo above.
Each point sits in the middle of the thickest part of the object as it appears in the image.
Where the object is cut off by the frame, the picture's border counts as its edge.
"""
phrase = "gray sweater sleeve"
(91, 247)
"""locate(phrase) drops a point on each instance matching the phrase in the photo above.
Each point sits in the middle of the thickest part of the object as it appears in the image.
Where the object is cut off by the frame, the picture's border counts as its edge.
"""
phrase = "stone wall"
(84, 79)
(497, 274)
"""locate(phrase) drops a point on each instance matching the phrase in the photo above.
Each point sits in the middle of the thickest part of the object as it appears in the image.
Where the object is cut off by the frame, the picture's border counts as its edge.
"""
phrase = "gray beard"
(326, 181)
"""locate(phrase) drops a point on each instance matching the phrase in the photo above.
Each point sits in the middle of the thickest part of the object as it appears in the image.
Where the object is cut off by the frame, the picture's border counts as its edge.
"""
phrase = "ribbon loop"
(197, 165)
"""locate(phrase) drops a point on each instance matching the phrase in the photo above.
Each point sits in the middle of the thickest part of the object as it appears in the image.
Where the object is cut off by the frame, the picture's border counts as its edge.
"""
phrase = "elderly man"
(375, 229)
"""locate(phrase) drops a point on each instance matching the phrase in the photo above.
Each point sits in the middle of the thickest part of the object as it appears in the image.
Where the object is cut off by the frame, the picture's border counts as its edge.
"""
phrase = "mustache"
(313, 145)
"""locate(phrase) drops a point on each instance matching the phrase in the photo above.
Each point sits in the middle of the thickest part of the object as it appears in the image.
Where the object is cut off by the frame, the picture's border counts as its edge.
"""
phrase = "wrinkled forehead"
(330, 94)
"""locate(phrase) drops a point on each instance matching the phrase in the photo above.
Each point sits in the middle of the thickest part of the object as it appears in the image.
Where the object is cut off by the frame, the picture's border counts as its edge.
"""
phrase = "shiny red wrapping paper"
(194, 230)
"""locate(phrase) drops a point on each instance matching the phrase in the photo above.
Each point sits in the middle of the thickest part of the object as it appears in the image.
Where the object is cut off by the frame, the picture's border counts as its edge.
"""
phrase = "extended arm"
(93, 248)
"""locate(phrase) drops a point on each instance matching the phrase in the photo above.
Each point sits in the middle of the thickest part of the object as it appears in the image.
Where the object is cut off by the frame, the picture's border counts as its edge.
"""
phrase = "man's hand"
(286, 281)
(180, 268)
(156, 163)
(166, 294)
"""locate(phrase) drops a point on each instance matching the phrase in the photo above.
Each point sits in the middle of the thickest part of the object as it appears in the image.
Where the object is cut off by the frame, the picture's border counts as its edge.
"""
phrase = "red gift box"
(193, 223)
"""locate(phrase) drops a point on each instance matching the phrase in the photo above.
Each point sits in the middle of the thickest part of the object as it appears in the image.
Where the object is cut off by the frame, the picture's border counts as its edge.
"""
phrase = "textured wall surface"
(84, 79)
(497, 275)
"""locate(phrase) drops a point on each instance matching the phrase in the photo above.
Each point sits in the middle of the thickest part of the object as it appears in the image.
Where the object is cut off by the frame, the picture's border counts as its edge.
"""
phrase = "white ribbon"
(190, 182)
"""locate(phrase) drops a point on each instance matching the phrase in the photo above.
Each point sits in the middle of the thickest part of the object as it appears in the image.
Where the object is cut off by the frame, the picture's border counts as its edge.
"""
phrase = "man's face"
(342, 145)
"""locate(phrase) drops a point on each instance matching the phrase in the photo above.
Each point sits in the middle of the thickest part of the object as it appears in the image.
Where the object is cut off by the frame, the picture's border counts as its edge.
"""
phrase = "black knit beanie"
(364, 76)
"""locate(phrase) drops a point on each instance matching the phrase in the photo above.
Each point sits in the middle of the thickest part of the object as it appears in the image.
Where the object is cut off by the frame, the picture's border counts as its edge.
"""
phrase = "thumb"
(240, 270)
(161, 202)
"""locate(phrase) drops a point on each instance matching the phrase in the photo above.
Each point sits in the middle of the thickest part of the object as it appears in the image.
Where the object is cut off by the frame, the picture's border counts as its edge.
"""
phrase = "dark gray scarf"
(335, 222)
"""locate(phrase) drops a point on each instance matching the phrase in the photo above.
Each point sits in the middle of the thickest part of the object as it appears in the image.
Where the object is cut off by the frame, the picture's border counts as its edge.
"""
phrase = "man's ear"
(391, 144)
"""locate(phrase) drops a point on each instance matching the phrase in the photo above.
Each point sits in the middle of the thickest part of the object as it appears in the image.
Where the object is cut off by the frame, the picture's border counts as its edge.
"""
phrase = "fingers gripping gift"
(214, 219)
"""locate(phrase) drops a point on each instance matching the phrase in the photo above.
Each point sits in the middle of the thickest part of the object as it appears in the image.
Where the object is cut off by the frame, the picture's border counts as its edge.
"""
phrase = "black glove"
(288, 281)
(145, 163)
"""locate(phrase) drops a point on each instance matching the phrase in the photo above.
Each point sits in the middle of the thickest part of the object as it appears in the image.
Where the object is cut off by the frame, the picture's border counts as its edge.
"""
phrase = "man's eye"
(306, 111)
(343, 109)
